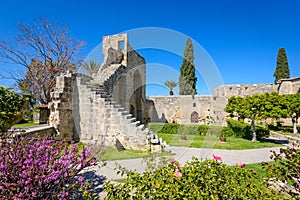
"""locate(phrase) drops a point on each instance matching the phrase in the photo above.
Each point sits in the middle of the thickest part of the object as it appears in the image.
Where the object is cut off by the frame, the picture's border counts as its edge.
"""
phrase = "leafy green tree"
(11, 105)
(187, 78)
(282, 68)
(258, 107)
(171, 85)
(293, 104)
(275, 106)
(233, 107)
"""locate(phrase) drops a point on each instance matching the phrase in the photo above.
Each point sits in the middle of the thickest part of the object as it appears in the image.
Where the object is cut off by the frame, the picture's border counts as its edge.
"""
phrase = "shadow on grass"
(276, 141)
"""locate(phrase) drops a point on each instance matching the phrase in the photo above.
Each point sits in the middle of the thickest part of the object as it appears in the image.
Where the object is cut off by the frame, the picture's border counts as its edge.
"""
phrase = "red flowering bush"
(33, 168)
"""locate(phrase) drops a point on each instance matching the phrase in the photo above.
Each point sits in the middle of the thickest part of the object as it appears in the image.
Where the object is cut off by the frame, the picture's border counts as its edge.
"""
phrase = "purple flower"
(81, 180)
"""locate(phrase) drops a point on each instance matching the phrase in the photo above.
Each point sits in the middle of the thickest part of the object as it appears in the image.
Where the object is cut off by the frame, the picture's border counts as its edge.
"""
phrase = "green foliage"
(197, 179)
(187, 78)
(171, 84)
(243, 130)
(164, 128)
(258, 107)
(11, 105)
(282, 68)
(182, 129)
(286, 168)
(234, 129)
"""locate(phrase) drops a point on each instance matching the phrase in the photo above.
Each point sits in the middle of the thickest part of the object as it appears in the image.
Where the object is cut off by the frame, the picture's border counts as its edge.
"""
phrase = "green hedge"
(182, 129)
(185, 129)
(243, 130)
(234, 129)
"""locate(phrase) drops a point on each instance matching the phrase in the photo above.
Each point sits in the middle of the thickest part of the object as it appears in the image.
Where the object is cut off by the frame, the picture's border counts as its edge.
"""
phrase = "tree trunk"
(294, 120)
(253, 131)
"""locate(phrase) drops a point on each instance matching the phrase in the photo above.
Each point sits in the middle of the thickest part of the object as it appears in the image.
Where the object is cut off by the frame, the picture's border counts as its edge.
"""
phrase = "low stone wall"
(38, 132)
(291, 140)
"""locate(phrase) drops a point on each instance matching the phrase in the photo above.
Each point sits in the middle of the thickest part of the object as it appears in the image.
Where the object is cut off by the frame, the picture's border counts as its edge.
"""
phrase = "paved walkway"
(184, 154)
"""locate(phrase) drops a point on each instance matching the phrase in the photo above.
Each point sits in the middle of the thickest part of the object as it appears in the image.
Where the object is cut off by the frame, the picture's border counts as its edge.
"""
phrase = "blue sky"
(241, 37)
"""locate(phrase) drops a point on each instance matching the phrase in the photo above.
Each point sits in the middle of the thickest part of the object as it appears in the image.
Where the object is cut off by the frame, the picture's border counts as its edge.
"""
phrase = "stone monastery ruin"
(111, 106)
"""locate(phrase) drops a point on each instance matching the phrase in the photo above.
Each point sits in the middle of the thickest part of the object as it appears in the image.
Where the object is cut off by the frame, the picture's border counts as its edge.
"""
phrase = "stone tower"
(110, 107)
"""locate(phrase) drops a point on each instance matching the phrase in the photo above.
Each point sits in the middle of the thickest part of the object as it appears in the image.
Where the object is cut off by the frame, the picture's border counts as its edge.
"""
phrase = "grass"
(27, 124)
(199, 141)
(114, 154)
(258, 168)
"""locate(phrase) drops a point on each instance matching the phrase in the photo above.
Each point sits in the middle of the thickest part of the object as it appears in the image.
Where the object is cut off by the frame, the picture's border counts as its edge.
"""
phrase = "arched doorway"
(194, 117)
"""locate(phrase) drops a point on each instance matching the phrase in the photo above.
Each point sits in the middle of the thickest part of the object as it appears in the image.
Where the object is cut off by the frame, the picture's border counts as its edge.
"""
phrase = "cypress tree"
(282, 67)
(187, 78)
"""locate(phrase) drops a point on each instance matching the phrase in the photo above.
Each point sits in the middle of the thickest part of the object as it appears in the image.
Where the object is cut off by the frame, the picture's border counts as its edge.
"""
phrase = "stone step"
(125, 112)
(117, 105)
(141, 127)
(155, 141)
(100, 92)
(121, 109)
(132, 119)
(128, 116)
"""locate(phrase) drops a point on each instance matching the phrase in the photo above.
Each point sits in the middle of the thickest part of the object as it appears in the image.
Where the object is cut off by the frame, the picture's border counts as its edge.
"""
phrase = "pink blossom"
(177, 173)
(217, 158)
(172, 160)
(178, 165)
(241, 165)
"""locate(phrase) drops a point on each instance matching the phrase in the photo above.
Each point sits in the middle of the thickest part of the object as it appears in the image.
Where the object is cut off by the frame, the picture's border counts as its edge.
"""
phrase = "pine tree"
(187, 78)
(282, 68)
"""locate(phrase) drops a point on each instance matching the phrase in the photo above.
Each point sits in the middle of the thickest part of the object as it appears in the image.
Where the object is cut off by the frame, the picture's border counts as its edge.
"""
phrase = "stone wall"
(181, 109)
(210, 109)
(289, 86)
(61, 107)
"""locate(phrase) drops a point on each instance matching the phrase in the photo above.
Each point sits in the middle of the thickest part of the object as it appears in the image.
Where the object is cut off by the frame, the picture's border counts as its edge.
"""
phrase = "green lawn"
(261, 172)
(113, 154)
(28, 124)
(199, 141)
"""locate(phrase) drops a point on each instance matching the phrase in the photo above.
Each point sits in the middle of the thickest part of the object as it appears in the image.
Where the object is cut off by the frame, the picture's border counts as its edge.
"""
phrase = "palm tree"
(171, 85)
(92, 67)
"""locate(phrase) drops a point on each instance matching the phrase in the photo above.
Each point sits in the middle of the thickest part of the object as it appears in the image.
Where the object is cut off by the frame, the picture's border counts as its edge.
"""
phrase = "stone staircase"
(123, 125)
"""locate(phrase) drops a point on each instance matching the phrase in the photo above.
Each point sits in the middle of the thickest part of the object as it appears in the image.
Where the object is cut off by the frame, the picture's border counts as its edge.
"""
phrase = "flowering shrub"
(11, 105)
(43, 169)
(209, 179)
(286, 168)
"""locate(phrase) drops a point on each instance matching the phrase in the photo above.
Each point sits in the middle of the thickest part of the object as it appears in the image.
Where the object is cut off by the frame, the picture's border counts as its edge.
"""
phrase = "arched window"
(194, 117)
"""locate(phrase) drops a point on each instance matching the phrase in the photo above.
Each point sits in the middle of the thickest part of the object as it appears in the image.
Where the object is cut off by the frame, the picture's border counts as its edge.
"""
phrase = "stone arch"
(194, 117)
